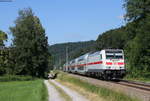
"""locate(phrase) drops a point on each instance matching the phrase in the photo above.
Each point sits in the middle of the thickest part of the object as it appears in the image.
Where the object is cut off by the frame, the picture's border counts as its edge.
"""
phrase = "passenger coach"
(105, 64)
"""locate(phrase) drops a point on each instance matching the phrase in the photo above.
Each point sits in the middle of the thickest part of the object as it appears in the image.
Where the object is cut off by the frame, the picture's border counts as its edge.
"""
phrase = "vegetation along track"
(138, 85)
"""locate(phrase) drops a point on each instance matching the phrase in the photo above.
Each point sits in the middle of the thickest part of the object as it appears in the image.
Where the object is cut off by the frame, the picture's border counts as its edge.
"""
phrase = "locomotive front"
(114, 64)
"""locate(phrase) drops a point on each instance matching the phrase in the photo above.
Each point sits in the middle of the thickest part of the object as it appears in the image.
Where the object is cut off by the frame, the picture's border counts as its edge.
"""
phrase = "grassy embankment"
(98, 92)
(32, 90)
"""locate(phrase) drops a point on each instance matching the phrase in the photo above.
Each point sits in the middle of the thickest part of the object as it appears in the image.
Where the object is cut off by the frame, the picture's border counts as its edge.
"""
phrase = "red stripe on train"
(92, 63)
(98, 62)
(80, 65)
(108, 63)
(120, 63)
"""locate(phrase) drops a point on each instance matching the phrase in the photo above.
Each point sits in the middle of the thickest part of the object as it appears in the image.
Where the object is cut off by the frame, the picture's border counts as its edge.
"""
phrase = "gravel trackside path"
(53, 93)
(73, 94)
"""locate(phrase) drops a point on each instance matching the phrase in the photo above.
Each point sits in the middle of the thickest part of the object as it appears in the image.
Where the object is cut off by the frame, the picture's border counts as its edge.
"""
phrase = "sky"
(67, 20)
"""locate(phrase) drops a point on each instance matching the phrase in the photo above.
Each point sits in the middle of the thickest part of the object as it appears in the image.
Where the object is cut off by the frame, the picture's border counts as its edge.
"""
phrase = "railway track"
(138, 85)
(133, 84)
(131, 88)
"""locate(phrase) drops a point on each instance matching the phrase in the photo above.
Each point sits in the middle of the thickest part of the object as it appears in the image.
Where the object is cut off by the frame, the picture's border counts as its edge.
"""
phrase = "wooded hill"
(75, 49)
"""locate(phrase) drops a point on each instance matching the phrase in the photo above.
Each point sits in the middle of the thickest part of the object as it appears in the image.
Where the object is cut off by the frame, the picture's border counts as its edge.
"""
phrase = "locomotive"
(106, 64)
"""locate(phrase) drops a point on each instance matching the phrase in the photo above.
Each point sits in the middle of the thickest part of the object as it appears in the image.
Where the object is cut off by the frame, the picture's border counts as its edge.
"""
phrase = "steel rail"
(138, 85)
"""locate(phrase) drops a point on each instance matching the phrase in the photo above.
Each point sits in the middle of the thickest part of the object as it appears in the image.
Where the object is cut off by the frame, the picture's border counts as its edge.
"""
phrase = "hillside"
(58, 51)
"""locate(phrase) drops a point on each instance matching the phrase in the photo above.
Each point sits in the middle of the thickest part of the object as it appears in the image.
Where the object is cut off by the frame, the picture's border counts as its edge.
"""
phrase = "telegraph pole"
(66, 57)
(60, 63)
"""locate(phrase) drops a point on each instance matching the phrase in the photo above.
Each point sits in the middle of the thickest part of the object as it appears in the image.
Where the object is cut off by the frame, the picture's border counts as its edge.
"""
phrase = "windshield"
(114, 56)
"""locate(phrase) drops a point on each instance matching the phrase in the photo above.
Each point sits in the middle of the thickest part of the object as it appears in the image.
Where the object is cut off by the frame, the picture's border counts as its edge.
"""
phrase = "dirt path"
(53, 93)
(73, 94)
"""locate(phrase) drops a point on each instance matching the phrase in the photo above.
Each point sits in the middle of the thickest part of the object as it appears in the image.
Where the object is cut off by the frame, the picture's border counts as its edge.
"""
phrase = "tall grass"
(105, 93)
(23, 91)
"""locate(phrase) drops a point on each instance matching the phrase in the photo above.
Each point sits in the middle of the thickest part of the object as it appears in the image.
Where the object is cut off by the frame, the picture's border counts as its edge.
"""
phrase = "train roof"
(113, 49)
(95, 53)
(83, 56)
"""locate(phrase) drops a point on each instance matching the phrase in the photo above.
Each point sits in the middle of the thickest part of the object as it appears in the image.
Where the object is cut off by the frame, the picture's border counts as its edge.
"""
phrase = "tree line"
(28, 54)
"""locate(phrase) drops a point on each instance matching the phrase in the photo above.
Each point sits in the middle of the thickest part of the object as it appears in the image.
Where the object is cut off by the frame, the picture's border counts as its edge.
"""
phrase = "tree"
(115, 39)
(31, 46)
(3, 37)
(138, 47)
(136, 9)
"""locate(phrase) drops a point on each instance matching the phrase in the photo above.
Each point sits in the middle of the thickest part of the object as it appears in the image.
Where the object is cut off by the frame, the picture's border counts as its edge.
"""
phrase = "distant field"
(23, 91)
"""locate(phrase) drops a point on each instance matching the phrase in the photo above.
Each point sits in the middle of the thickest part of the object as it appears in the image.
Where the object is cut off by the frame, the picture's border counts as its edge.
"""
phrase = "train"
(106, 64)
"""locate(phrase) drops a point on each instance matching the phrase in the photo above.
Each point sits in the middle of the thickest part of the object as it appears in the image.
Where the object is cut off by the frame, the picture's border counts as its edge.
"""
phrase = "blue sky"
(67, 20)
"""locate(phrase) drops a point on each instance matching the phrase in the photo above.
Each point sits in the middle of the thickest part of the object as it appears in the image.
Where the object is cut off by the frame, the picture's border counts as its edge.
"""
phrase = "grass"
(140, 76)
(89, 95)
(34, 90)
(61, 92)
(107, 94)
(140, 79)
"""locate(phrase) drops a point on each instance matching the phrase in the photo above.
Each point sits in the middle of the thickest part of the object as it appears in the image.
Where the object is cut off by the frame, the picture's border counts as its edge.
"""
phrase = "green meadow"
(34, 90)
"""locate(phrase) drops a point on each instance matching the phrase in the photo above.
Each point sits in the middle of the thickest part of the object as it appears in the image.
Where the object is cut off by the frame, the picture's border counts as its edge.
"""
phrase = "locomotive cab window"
(118, 56)
(109, 56)
(114, 56)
